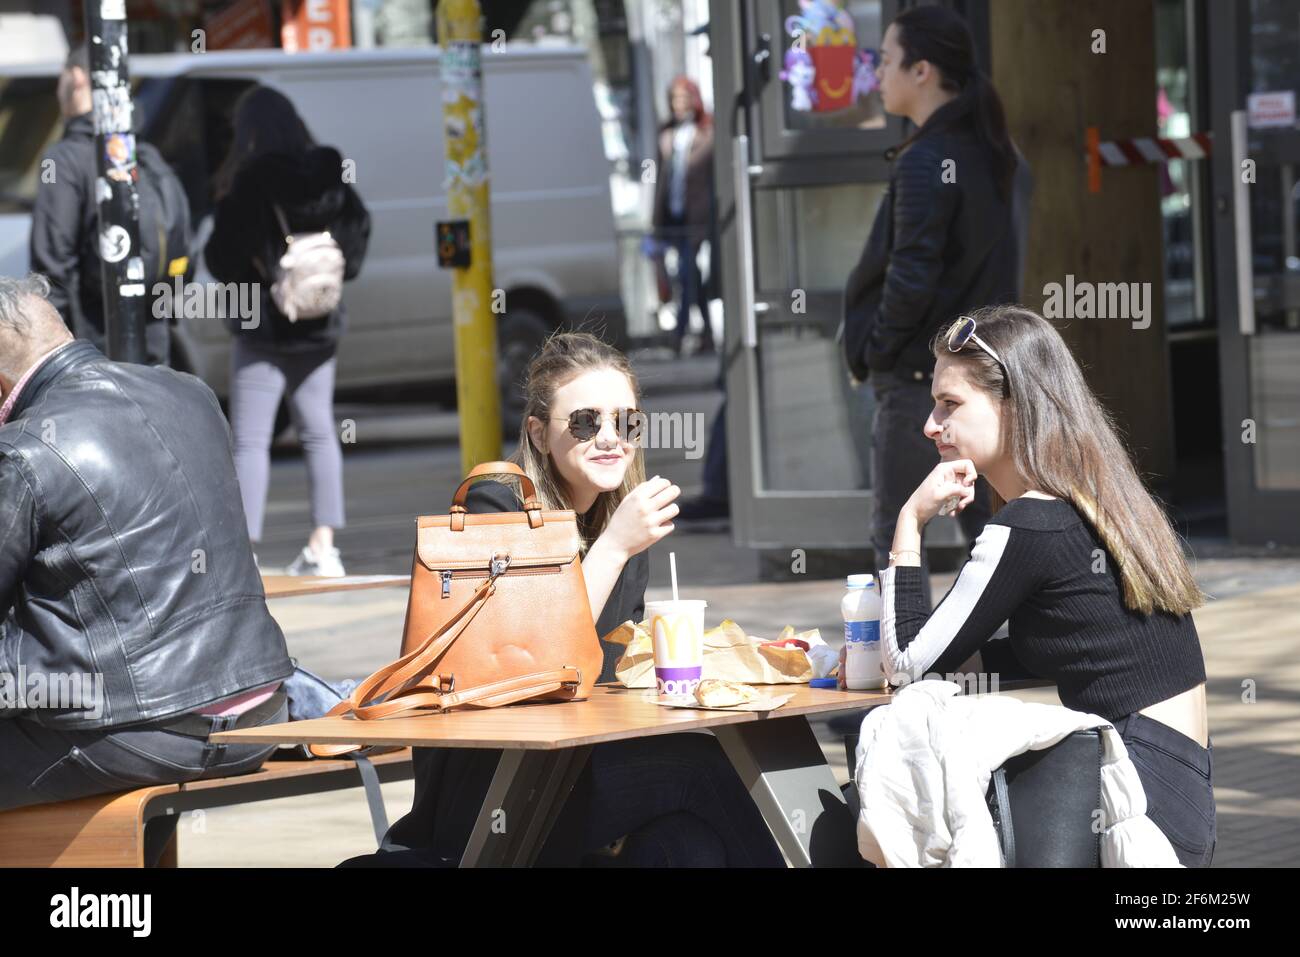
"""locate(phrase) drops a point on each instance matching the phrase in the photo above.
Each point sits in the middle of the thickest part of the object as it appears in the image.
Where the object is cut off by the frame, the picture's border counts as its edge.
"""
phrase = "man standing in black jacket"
(65, 219)
(133, 622)
(948, 238)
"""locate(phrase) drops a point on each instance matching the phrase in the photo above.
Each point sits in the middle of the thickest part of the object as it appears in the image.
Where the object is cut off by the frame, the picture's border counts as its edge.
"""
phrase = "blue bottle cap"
(831, 683)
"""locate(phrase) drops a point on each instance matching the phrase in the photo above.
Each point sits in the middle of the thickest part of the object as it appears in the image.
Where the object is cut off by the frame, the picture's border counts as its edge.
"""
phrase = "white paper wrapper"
(729, 654)
(767, 702)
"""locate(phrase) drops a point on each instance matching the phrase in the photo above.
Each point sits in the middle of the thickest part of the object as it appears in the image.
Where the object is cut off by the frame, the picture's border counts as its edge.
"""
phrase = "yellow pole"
(460, 36)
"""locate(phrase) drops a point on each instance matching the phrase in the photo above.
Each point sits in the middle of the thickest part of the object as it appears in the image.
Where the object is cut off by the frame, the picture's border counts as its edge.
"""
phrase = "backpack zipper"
(447, 576)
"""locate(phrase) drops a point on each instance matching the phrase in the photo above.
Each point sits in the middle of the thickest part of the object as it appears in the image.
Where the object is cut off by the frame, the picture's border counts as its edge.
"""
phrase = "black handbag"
(1044, 803)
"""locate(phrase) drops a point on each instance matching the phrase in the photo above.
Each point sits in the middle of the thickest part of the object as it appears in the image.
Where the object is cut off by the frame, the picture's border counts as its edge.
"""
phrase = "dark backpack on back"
(164, 218)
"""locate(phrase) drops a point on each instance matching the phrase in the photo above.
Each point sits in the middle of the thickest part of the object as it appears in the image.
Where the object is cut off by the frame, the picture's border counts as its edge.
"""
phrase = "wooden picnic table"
(287, 586)
(544, 749)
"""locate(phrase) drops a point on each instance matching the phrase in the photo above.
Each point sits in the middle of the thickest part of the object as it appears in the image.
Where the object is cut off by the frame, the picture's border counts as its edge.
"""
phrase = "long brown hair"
(564, 357)
(1064, 442)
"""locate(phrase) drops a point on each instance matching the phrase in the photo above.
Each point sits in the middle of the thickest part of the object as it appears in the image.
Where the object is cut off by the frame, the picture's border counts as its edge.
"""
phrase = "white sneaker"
(326, 565)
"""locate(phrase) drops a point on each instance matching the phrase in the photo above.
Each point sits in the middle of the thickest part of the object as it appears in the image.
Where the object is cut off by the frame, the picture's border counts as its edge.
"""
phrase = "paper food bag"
(729, 654)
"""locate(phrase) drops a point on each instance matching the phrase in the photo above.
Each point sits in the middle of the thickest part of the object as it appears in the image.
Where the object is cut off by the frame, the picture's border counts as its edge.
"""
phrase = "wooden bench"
(131, 828)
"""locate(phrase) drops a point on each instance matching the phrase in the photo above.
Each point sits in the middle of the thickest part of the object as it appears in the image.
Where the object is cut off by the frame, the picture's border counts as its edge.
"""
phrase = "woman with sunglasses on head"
(1078, 557)
(671, 800)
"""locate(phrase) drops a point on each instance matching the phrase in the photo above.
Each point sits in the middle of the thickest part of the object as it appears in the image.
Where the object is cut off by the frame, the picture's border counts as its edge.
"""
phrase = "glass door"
(798, 186)
(1257, 198)
(815, 90)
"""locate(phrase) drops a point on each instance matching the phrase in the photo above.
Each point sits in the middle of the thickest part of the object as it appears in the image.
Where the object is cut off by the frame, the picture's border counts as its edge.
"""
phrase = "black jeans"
(901, 457)
(40, 764)
(676, 796)
(1178, 777)
(716, 485)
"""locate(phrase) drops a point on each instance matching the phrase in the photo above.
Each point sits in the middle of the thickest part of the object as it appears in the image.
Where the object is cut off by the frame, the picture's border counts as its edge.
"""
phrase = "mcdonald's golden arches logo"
(680, 635)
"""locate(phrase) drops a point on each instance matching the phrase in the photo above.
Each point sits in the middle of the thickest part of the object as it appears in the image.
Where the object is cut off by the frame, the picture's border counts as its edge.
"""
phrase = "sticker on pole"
(114, 244)
(453, 243)
(1271, 109)
(112, 110)
(119, 156)
(462, 108)
(112, 9)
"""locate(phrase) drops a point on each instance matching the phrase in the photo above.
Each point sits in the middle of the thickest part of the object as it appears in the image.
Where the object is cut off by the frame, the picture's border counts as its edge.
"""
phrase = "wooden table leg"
(527, 793)
(782, 765)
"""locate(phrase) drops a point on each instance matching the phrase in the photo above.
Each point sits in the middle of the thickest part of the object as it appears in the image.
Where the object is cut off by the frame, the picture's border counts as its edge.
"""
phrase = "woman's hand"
(948, 480)
(842, 676)
(642, 518)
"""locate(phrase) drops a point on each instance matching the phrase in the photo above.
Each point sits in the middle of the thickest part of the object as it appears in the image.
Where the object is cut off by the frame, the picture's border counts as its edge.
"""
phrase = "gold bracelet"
(893, 556)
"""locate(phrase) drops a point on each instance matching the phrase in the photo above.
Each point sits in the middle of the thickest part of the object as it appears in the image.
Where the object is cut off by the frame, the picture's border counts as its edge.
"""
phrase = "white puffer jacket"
(923, 767)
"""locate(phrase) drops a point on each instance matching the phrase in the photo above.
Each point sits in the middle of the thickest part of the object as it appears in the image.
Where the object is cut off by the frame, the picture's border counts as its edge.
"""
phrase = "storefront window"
(1275, 211)
(1180, 190)
(828, 58)
(811, 237)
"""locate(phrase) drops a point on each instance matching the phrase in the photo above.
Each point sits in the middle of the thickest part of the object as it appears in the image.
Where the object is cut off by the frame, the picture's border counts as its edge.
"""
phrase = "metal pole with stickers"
(125, 302)
(464, 241)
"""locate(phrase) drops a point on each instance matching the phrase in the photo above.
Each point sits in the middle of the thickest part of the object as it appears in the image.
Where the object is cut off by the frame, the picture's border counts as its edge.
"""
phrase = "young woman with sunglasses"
(1078, 557)
(671, 800)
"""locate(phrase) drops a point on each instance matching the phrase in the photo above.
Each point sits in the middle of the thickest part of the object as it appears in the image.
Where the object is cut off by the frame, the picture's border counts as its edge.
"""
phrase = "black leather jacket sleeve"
(17, 545)
(924, 208)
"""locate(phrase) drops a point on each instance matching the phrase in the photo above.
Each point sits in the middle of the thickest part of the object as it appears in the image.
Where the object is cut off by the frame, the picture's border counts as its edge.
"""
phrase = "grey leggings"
(258, 378)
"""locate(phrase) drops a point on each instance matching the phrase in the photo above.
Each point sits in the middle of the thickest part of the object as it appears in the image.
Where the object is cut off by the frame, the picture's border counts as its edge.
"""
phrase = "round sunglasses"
(584, 424)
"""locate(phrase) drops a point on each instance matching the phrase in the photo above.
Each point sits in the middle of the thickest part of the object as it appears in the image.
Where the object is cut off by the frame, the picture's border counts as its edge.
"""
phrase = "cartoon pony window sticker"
(825, 69)
(800, 73)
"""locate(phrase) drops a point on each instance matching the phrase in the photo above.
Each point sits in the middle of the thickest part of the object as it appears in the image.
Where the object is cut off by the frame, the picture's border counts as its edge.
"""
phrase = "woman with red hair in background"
(683, 210)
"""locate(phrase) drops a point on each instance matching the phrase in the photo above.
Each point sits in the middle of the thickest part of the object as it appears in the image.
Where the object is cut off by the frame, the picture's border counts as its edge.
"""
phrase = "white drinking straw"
(672, 567)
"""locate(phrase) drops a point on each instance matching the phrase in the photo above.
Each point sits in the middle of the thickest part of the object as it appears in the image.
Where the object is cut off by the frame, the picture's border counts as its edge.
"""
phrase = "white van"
(553, 236)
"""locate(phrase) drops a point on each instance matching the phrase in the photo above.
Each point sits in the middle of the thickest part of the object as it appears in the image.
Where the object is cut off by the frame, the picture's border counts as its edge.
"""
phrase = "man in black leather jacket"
(128, 590)
(948, 237)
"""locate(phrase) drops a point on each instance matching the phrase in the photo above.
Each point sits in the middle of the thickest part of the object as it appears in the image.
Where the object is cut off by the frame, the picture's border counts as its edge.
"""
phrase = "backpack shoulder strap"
(284, 223)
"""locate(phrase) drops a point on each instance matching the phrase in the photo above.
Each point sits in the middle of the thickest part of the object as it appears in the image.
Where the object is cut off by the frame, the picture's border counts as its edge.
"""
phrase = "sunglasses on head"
(962, 332)
(584, 424)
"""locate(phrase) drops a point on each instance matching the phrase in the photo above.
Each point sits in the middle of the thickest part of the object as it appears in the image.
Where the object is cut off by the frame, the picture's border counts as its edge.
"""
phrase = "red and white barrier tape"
(1140, 151)
(1151, 149)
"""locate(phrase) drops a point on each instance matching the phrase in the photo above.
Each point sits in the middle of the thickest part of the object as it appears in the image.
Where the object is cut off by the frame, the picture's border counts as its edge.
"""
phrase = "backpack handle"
(284, 223)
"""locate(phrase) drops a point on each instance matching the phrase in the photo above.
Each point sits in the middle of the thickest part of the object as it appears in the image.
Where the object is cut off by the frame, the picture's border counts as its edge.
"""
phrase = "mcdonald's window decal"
(824, 68)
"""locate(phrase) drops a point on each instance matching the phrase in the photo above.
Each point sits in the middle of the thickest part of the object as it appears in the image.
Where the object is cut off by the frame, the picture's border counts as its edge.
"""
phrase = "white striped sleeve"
(1000, 574)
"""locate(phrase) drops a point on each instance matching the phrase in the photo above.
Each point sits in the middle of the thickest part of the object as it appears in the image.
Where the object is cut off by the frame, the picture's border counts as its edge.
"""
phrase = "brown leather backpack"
(497, 614)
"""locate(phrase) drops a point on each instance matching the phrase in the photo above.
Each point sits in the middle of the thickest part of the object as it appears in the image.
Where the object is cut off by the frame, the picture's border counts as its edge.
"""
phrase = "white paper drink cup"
(678, 631)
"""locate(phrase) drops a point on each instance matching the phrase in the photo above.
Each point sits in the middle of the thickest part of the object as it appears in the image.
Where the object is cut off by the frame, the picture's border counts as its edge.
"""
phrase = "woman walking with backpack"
(286, 220)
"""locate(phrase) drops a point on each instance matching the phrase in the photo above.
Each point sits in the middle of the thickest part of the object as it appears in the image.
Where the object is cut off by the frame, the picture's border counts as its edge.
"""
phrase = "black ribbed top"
(1041, 567)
